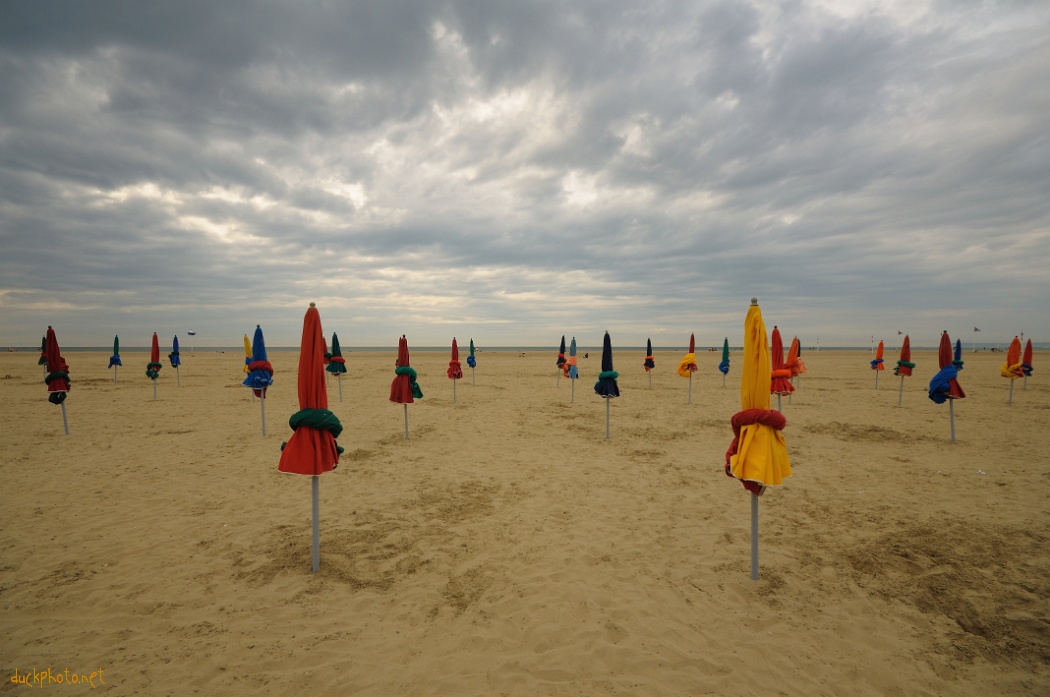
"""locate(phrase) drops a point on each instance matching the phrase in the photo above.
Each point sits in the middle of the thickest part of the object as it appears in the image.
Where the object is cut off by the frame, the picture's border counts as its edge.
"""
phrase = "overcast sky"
(513, 170)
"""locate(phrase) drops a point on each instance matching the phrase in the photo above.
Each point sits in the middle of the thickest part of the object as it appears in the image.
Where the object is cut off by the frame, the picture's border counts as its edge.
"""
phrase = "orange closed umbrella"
(312, 450)
(758, 454)
(780, 376)
(1013, 367)
(904, 366)
(878, 364)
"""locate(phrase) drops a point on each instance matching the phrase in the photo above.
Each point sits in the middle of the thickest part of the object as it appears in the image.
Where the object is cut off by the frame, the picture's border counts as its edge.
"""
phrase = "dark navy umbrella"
(606, 386)
(649, 362)
(114, 360)
(174, 358)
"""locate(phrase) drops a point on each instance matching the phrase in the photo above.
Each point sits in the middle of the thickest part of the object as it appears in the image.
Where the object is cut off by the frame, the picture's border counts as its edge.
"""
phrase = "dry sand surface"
(508, 548)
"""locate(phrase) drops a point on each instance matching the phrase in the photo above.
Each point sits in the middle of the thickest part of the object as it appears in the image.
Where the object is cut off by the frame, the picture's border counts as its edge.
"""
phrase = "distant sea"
(1041, 346)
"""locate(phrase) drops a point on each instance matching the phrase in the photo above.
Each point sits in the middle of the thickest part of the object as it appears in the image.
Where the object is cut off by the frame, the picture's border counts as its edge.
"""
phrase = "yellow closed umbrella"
(758, 454)
(247, 354)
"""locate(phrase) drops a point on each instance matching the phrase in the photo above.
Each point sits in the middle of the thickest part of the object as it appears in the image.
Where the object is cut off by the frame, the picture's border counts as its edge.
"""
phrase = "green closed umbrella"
(337, 364)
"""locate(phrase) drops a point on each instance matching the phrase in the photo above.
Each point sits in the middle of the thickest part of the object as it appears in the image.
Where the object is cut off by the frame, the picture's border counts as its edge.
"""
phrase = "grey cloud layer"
(516, 169)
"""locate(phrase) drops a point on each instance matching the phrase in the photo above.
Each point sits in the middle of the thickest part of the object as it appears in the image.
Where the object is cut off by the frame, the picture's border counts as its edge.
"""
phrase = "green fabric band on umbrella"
(320, 419)
(417, 391)
(153, 370)
(906, 364)
(57, 375)
(608, 374)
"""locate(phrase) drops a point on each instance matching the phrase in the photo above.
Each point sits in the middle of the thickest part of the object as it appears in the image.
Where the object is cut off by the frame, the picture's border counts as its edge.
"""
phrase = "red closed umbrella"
(878, 365)
(945, 387)
(312, 450)
(780, 376)
(57, 378)
(153, 369)
(904, 366)
(404, 389)
(455, 370)
(1026, 362)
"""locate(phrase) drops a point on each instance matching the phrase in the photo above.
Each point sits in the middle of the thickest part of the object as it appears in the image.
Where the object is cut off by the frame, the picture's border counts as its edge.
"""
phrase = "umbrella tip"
(754, 301)
(313, 304)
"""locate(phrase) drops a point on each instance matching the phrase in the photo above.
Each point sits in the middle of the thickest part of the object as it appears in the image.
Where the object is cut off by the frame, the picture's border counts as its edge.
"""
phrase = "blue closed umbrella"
(260, 373)
(175, 360)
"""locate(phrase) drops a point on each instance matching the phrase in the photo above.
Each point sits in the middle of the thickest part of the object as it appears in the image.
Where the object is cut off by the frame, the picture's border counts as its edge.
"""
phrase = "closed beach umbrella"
(561, 358)
(43, 353)
(904, 366)
(260, 373)
(573, 372)
(758, 454)
(649, 363)
(780, 377)
(878, 364)
(606, 386)
(472, 361)
(723, 367)
(312, 449)
(404, 389)
(1026, 362)
(247, 354)
(57, 379)
(687, 366)
(945, 387)
(1013, 367)
(336, 363)
(114, 360)
(455, 369)
(153, 369)
(176, 361)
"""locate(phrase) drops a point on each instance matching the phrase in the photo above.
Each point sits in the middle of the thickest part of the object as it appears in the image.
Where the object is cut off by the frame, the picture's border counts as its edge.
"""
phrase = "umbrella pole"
(572, 392)
(406, 421)
(262, 408)
(606, 418)
(876, 379)
(453, 391)
(690, 389)
(778, 402)
(316, 531)
(900, 392)
(472, 377)
(154, 389)
(791, 394)
(114, 375)
(1011, 399)
(951, 416)
(754, 537)
(650, 378)
(178, 380)
(723, 379)
(65, 419)
(339, 379)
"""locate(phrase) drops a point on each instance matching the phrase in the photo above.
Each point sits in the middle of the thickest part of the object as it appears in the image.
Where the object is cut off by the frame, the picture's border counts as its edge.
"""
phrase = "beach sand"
(508, 548)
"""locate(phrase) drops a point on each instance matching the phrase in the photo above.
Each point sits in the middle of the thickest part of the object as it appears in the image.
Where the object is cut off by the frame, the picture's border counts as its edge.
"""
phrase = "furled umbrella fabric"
(404, 389)
(561, 362)
(1026, 361)
(312, 449)
(723, 367)
(174, 357)
(1013, 367)
(904, 365)
(114, 360)
(687, 366)
(758, 454)
(878, 363)
(649, 363)
(794, 359)
(57, 379)
(471, 360)
(574, 372)
(43, 351)
(606, 385)
(247, 354)
(455, 368)
(153, 369)
(945, 384)
(780, 376)
(336, 362)
(260, 372)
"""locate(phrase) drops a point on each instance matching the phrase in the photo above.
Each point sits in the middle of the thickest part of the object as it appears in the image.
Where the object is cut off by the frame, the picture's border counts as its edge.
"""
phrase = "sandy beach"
(508, 548)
